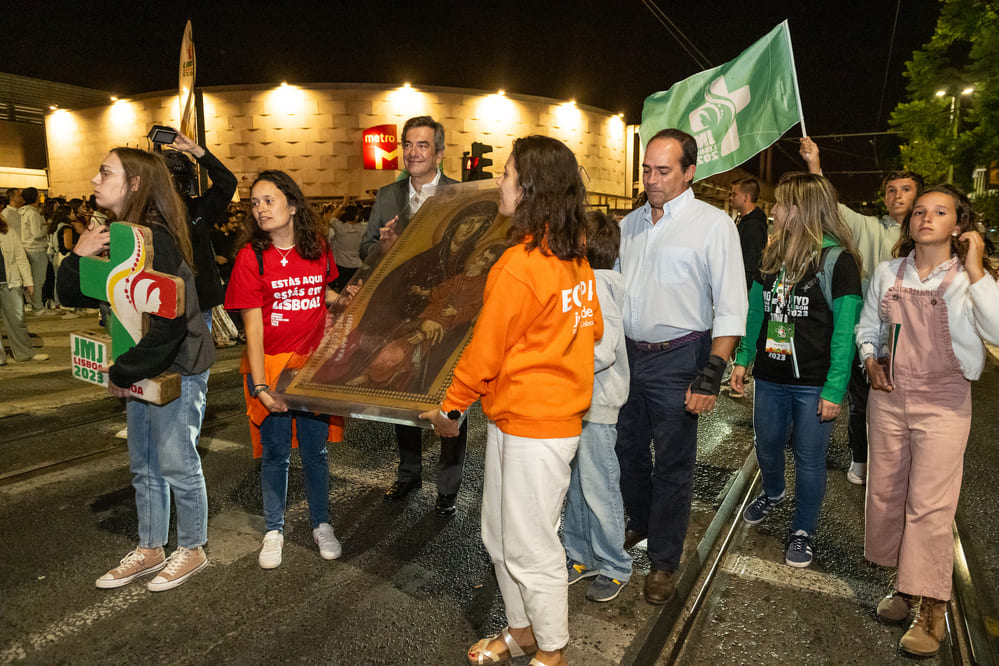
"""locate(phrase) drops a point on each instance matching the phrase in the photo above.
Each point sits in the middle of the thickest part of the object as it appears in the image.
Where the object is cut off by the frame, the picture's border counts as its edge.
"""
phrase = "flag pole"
(794, 70)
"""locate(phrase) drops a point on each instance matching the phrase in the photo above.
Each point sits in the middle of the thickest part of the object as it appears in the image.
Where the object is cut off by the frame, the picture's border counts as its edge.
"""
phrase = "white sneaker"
(329, 547)
(270, 550)
(857, 474)
(39, 357)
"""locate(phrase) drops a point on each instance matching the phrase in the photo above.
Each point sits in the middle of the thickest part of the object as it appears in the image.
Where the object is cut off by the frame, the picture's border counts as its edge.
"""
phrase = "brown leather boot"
(896, 607)
(927, 629)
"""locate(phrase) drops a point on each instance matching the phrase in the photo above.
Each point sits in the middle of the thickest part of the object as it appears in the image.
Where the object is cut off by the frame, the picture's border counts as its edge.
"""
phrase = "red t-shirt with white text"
(291, 297)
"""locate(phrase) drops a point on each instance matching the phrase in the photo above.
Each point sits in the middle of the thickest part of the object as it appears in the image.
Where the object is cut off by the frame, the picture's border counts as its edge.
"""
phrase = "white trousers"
(525, 484)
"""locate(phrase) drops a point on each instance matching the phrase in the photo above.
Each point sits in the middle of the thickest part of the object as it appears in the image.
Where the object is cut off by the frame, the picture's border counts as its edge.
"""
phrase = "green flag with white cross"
(735, 110)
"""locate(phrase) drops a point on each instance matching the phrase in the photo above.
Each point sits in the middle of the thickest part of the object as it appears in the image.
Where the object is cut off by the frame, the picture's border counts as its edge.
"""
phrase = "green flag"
(734, 110)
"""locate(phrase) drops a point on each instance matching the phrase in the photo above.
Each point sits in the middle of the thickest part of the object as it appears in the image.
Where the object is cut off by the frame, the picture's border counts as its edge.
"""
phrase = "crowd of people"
(598, 345)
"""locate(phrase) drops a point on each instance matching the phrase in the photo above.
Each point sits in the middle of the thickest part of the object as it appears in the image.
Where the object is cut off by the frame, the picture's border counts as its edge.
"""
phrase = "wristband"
(453, 415)
(709, 381)
(258, 389)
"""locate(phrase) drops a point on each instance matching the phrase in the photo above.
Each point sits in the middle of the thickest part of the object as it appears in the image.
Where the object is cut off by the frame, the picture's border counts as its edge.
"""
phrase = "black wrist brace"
(709, 381)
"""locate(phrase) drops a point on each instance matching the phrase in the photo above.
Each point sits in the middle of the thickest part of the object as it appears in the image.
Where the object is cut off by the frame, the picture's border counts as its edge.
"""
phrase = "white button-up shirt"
(682, 274)
(416, 199)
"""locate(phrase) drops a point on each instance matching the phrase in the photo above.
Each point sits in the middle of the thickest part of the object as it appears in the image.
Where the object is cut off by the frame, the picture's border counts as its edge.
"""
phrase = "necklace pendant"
(284, 261)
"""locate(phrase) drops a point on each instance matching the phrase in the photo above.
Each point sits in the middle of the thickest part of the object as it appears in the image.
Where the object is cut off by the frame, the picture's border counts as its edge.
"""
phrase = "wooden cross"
(134, 290)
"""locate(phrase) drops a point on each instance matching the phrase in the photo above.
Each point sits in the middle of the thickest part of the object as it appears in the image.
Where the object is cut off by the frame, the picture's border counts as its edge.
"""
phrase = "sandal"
(484, 656)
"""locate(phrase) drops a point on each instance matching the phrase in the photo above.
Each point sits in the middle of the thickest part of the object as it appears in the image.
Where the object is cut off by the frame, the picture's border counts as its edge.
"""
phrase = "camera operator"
(203, 212)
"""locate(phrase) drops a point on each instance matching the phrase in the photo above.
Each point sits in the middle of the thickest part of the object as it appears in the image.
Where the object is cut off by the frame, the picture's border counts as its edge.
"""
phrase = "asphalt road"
(410, 588)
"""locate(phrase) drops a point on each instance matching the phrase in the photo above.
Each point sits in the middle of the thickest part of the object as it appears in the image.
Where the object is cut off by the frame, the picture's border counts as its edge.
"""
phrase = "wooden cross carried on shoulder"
(127, 281)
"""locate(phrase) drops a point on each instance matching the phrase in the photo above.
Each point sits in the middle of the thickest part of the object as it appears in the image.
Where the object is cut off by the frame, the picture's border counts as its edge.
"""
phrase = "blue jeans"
(312, 432)
(162, 452)
(593, 531)
(780, 409)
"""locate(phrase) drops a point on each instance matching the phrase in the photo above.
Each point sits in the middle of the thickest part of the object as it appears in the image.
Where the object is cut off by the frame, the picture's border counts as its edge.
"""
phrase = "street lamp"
(955, 119)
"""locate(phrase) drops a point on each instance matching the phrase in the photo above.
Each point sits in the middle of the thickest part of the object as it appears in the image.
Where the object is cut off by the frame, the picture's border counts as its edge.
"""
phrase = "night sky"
(606, 54)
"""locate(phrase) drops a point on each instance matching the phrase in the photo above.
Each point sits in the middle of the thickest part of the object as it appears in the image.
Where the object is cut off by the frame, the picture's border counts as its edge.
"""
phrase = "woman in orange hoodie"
(530, 360)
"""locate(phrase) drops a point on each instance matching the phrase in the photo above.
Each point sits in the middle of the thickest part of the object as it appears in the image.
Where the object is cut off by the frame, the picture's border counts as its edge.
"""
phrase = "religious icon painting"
(393, 345)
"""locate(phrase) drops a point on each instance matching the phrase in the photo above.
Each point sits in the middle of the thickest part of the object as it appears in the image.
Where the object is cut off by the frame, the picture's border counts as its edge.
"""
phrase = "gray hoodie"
(610, 359)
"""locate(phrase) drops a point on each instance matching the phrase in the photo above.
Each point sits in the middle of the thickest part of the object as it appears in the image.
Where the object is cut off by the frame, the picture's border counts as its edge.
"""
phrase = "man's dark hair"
(902, 175)
(30, 195)
(603, 240)
(426, 121)
(12, 192)
(749, 187)
(349, 213)
(687, 142)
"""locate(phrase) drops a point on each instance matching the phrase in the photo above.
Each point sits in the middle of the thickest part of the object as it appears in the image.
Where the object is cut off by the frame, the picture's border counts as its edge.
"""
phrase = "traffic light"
(478, 162)
(466, 166)
(473, 166)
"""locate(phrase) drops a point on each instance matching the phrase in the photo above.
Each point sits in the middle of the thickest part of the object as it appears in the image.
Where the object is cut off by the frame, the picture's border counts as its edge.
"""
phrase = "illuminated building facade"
(316, 133)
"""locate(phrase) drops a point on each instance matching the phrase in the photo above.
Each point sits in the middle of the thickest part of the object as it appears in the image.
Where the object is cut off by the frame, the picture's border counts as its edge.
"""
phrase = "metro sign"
(381, 147)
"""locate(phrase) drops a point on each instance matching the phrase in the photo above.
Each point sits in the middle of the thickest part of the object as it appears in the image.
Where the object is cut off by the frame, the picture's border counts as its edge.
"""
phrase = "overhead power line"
(891, 49)
(685, 43)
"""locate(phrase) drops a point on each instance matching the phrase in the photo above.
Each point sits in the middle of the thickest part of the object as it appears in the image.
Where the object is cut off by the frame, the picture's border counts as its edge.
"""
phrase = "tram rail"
(663, 643)
(212, 419)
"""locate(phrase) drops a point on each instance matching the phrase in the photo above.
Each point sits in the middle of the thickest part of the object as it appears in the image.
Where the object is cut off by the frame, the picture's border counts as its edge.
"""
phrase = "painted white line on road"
(115, 603)
(782, 575)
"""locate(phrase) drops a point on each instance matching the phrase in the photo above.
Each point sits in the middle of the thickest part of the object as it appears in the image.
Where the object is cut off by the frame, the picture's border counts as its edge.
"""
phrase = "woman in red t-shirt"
(279, 282)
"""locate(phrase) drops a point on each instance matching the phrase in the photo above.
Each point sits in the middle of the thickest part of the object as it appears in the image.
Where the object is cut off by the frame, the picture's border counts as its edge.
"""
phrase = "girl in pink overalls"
(920, 337)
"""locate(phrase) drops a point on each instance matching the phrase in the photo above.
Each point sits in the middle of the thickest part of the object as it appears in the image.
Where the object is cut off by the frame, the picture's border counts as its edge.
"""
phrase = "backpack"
(828, 259)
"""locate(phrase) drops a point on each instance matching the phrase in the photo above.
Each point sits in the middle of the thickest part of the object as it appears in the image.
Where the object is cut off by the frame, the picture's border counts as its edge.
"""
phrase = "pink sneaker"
(181, 565)
(132, 566)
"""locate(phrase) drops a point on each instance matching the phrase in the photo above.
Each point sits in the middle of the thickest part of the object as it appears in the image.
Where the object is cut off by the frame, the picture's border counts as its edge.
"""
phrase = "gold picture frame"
(392, 347)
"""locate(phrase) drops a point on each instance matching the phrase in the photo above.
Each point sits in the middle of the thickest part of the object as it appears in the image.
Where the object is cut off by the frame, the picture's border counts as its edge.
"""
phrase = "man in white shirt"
(422, 152)
(35, 240)
(10, 214)
(684, 311)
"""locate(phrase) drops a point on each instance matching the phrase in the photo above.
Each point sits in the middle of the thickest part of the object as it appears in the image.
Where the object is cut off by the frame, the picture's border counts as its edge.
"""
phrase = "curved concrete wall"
(314, 131)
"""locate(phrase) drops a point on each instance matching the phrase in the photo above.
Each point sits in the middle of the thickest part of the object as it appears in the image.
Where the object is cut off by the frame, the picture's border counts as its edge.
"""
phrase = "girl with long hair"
(280, 283)
(162, 439)
(530, 360)
(920, 336)
(803, 307)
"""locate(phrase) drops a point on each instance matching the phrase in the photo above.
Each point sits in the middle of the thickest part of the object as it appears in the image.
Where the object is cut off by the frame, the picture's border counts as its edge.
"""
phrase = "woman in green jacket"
(803, 307)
